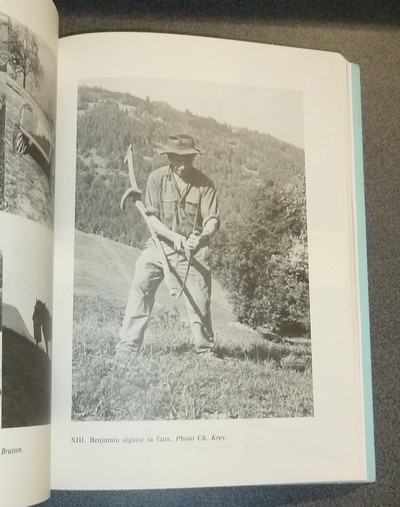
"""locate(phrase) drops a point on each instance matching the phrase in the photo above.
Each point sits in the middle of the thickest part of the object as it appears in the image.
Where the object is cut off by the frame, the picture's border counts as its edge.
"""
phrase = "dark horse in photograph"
(42, 324)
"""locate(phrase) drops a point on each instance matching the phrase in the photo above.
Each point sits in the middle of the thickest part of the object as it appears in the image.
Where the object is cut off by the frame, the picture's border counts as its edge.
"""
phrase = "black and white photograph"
(26, 323)
(3, 42)
(29, 100)
(200, 186)
(3, 71)
(2, 137)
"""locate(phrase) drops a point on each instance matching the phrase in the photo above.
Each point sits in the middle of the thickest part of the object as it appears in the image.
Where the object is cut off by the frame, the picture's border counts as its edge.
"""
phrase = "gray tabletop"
(366, 33)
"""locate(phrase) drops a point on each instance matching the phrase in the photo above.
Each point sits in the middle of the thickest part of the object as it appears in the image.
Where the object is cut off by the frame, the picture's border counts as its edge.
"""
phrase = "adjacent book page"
(360, 244)
(284, 401)
(28, 83)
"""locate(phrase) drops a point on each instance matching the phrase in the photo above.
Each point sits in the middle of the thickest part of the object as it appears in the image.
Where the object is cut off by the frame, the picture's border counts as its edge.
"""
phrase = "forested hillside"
(261, 186)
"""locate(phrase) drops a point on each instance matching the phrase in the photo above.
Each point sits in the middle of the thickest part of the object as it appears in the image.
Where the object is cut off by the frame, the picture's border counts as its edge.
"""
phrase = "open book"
(261, 229)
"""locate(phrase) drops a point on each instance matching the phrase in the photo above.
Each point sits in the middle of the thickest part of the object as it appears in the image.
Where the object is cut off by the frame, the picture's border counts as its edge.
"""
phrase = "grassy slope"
(26, 383)
(103, 266)
(168, 381)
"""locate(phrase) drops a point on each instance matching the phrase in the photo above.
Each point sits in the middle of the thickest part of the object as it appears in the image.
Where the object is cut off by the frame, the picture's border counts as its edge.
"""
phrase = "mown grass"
(168, 381)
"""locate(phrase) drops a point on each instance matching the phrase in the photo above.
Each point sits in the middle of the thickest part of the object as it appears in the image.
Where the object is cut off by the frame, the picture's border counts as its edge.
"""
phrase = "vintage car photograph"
(29, 90)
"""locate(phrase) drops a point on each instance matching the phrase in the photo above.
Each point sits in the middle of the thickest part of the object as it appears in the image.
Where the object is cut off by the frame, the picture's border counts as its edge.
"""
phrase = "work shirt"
(184, 209)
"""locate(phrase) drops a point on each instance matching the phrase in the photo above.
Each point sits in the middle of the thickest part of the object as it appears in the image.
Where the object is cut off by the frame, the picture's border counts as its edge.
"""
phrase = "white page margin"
(324, 448)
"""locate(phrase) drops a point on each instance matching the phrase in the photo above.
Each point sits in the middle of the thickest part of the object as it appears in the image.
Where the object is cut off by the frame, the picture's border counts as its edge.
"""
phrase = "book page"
(253, 375)
(28, 72)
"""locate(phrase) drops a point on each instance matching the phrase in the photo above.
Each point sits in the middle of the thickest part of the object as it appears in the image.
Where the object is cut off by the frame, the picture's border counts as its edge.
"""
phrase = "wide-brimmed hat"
(182, 144)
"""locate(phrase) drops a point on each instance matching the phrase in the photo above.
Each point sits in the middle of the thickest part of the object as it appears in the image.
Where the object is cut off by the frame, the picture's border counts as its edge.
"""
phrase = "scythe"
(136, 194)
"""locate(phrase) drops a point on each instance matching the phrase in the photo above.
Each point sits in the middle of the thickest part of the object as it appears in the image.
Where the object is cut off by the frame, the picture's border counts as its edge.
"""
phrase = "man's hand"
(179, 243)
(194, 241)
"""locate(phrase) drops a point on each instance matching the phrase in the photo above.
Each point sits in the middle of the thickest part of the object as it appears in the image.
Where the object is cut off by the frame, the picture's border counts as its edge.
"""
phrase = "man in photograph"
(182, 208)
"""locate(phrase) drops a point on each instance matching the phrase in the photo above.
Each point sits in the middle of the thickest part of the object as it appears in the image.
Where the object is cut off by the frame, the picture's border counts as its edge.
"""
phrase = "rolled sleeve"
(209, 205)
(153, 196)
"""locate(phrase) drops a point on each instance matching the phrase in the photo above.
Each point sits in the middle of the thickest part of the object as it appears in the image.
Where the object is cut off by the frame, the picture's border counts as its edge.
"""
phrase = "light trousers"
(147, 278)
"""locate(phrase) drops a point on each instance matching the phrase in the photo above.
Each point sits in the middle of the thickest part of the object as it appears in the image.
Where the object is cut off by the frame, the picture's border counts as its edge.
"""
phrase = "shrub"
(261, 258)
